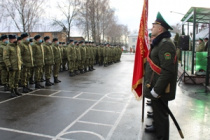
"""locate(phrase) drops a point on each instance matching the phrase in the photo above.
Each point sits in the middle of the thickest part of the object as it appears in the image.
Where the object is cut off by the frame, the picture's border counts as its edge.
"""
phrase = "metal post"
(193, 47)
(208, 60)
(188, 28)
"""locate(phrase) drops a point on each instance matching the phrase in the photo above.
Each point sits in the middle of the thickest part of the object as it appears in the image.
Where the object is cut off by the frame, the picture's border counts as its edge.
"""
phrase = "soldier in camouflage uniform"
(12, 59)
(38, 54)
(88, 56)
(64, 58)
(71, 55)
(93, 54)
(78, 58)
(57, 59)
(27, 60)
(3, 69)
(48, 59)
(106, 55)
(83, 56)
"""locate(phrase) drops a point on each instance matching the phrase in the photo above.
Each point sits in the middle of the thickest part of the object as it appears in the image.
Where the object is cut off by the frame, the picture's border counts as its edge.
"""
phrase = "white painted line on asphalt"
(117, 121)
(86, 132)
(82, 115)
(98, 110)
(55, 93)
(78, 95)
(16, 97)
(94, 93)
(30, 133)
(93, 123)
(61, 97)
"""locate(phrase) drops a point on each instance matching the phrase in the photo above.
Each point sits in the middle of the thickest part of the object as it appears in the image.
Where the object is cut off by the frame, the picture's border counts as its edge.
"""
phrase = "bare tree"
(69, 9)
(24, 13)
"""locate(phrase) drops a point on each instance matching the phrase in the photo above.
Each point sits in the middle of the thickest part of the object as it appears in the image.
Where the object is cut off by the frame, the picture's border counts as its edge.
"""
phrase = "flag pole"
(143, 99)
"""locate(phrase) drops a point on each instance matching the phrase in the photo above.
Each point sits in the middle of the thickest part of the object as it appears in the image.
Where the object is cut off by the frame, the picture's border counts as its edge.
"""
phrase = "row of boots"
(81, 71)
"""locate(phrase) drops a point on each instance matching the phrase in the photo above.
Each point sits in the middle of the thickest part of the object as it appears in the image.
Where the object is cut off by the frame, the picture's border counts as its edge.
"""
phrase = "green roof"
(202, 15)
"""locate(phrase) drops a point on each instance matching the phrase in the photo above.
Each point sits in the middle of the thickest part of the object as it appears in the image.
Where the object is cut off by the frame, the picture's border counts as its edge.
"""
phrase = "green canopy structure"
(197, 15)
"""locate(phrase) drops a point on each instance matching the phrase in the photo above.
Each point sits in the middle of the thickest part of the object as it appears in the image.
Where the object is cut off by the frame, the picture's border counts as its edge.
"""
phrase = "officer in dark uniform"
(160, 75)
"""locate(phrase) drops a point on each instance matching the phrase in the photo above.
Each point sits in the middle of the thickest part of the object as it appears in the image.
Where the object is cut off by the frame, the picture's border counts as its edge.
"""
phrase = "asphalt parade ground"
(98, 105)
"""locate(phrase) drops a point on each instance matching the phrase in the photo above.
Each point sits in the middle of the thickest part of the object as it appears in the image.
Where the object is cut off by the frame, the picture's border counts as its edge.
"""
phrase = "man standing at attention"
(160, 75)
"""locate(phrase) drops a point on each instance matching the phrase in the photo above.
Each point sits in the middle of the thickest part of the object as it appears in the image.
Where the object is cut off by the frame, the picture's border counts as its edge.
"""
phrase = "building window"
(134, 39)
(55, 35)
(133, 46)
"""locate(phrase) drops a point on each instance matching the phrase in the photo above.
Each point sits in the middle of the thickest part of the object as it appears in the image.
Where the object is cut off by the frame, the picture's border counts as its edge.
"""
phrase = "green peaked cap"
(160, 20)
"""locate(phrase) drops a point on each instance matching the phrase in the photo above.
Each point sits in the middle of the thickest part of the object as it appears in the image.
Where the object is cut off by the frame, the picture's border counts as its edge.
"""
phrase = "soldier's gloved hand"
(10, 69)
(154, 94)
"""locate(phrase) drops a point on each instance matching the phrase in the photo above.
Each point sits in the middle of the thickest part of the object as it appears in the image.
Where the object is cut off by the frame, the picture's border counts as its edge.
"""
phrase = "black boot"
(41, 85)
(56, 80)
(48, 83)
(12, 95)
(6, 88)
(81, 71)
(31, 81)
(71, 74)
(17, 92)
(28, 88)
(90, 69)
(77, 72)
(37, 85)
(25, 90)
(42, 80)
(86, 70)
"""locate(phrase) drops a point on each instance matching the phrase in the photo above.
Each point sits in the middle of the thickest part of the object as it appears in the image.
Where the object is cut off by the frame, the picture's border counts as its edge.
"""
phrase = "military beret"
(160, 20)
(200, 39)
(86, 42)
(37, 37)
(81, 42)
(23, 35)
(46, 38)
(63, 42)
(71, 41)
(55, 39)
(12, 37)
(75, 42)
(60, 42)
(19, 38)
(4, 37)
(31, 40)
(206, 38)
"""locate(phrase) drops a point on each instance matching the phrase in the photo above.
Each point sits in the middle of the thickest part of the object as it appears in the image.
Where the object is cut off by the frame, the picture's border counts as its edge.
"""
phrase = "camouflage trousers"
(56, 69)
(14, 77)
(71, 66)
(64, 62)
(25, 75)
(81, 64)
(87, 63)
(4, 76)
(48, 71)
(37, 73)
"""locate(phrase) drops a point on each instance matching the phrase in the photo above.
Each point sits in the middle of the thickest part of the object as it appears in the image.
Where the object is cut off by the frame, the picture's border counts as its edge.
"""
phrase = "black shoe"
(6, 88)
(150, 115)
(56, 80)
(48, 84)
(17, 92)
(31, 81)
(41, 86)
(150, 129)
(37, 86)
(25, 90)
(12, 95)
(71, 74)
(42, 80)
(148, 112)
(149, 104)
(81, 71)
(149, 125)
(90, 69)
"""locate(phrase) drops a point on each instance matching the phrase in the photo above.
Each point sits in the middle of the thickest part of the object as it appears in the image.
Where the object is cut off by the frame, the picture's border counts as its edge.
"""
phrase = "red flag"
(141, 53)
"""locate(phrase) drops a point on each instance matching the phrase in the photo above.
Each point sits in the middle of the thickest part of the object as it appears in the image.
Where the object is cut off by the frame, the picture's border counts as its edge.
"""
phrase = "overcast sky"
(129, 11)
